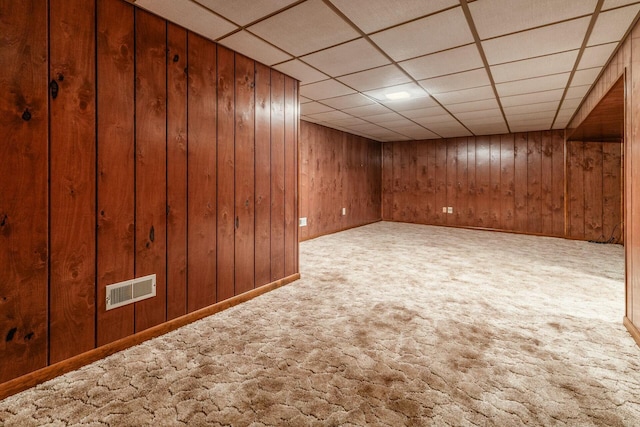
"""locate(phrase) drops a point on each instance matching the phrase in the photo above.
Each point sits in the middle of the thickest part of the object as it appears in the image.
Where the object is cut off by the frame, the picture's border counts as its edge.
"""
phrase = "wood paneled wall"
(337, 170)
(594, 182)
(159, 152)
(504, 182)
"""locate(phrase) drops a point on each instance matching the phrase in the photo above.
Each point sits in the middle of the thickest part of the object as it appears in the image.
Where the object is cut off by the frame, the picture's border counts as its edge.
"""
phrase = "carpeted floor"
(392, 324)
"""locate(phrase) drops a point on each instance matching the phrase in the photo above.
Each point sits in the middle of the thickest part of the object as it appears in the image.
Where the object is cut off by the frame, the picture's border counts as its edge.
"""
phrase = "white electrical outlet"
(344, 211)
(303, 222)
(450, 209)
(444, 209)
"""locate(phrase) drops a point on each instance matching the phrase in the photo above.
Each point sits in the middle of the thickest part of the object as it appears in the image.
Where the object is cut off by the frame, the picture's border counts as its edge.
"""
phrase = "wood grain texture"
(592, 170)
(244, 175)
(472, 202)
(23, 198)
(72, 243)
(558, 183)
(495, 159)
(151, 165)
(612, 190)
(116, 181)
(462, 183)
(277, 175)
(177, 147)
(483, 181)
(507, 183)
(322, 152)
(520, 182)
(534, 179)
(263, 175)
(575, 182)
(547, 177)
(226, 174)
(387, 177)
(290, 177)
(201, 173)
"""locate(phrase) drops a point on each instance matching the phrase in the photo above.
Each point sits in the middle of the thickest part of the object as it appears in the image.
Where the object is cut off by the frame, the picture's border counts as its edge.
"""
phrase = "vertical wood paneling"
(116, 182)
(592, 170)
(290, 177)
(611, 191)
(575, 179)
(72, 179)
(546, 184)
(423, 191)
(483, 181)
(520, 182)
(23, 199)
(558, 183)
(307, 137)
(507, 184)
(441, 181)
(151, 162)
(451, 179)
(177, 141)
(495, 218)
(461, 205)
(226, 175)
(277, 175)
(534, 177)
(432, 206)
(245, 175)
(201, 173)
(263, 175)
(387, 182)
(472, 196)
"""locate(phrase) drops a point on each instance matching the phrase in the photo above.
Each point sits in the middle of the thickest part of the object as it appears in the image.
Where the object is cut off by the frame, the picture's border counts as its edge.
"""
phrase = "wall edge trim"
(35, 378)
(632, 329)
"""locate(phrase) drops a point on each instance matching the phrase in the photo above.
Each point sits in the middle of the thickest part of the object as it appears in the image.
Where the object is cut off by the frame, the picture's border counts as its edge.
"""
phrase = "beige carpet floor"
(392, 324)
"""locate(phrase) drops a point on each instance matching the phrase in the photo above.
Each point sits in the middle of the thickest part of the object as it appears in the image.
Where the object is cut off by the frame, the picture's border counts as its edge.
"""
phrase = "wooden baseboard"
(313, 236)
(32, 379)
(633, 330)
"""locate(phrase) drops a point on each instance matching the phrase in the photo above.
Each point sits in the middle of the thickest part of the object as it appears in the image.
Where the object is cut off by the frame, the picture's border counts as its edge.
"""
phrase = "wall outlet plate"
(450, 209)
(444, 209)
(303, 222)
(344, 211)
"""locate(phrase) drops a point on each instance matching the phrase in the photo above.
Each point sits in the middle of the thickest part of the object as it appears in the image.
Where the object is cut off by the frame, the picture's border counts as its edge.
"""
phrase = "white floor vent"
(131, 291)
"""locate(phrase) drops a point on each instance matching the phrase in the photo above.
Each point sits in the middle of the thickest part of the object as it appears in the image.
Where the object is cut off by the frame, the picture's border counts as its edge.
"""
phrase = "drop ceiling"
(468, 67)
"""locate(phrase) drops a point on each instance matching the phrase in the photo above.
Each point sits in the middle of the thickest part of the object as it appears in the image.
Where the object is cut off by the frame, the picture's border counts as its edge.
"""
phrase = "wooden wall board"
(72, 196)
(244, 174)
(23, 200)
(116, 155)
(201, 173)
(150, 165)
(290, 177)
(277, 175)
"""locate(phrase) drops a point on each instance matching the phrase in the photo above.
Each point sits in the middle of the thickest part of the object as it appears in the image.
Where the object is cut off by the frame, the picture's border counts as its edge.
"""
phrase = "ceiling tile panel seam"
(592, 24)
(550, 24)
(393, 62)
(476, 37)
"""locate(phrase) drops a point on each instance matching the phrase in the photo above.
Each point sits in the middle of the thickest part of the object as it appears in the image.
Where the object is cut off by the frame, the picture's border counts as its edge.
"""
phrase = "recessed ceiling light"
(398, 95)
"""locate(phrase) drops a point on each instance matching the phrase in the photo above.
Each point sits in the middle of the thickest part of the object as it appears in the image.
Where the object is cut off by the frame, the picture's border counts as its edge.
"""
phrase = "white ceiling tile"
(190, 15)
(450, 130)
(389, 75)
(352, 121)
(366, 127)
(489, 129)
(466, 95)
(413, 89)
(523, 118)
(329, 115)
(596, 56)
(610, 4)
(532, 98)
(305, 28)
(448, 62)
(534, 67)
(410, 104)
(532, 125)
(488, 115)
(483, 121)
(586, 76)
(401, 122)
(611, 25)
(425, 112)
(498, 17)
(347, 101)
(324, 89)
(536, 84)
(376, 15)
(572, 103)
(440, 120)
(251, 46)
(485, 104)
(465, 80)
(386, 117)
(415, 132)
(313, 108)
(541, 41)
(243, 12)
(301, 71)
(346, 58)
(427, 35)
(532, 108)
(310, 119)
(367, 110)
(577, 91)
(565, 114)
(303, 100)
